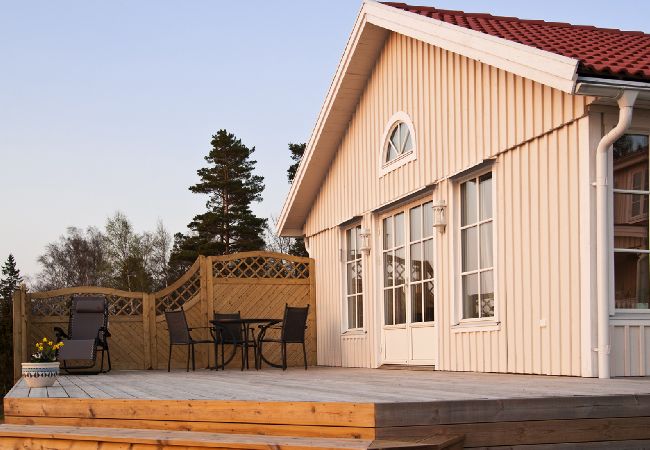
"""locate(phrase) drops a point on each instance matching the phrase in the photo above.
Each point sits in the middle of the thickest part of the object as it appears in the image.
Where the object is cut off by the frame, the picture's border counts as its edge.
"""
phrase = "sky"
(108, 106)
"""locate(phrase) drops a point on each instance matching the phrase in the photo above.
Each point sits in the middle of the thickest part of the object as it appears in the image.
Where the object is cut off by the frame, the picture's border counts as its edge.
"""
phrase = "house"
(475, 196)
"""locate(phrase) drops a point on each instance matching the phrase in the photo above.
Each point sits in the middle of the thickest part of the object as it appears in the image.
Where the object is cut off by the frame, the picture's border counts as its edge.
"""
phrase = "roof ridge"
(433, 9)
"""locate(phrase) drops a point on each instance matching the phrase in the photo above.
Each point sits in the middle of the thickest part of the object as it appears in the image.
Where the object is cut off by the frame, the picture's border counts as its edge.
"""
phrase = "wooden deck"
(484, 410)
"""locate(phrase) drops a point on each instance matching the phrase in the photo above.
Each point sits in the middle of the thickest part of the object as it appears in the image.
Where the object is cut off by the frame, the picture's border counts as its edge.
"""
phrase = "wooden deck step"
(88, 438)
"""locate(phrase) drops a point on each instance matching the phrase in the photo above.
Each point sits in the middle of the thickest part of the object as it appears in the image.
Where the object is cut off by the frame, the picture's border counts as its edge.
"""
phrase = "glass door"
(408, 286)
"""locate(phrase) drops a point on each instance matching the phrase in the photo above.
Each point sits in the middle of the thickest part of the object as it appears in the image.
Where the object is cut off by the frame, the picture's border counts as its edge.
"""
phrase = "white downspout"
(625, 105)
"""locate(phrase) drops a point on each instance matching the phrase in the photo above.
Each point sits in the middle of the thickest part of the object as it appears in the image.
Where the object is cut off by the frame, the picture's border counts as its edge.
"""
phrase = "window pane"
(630, 230)
(487, 294)
(485, 195)
(359, 311)
(428, 259)
(391, 152)
(400, 266)
(429, 315)
(351, 274)
(416, 302)
(486, 245)
(388, 233)
(468, 202)
(403, 136)
(416, 262)
(408, 144)
(427, 211)
(358, 244)
(416, 223)
(631, 279)
(470, 296)
(388, 307)
(630, 155)
(352, 312)
(399, 229)
(359, 277)
(349, 244)
(469, 243)
(388, 269)
(400, 305)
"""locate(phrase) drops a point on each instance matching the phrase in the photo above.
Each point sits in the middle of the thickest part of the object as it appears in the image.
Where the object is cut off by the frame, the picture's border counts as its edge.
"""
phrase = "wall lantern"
(365, 241)
(439, 215)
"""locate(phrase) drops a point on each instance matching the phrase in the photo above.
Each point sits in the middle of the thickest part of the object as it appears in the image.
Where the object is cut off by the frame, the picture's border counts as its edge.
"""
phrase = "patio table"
(245, 324)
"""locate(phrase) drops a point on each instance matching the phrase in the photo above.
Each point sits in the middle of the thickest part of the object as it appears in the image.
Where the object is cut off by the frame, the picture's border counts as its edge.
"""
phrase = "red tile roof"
(602, 52)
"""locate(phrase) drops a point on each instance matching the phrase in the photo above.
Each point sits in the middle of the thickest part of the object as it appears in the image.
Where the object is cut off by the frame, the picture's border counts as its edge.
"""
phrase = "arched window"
(398, 143)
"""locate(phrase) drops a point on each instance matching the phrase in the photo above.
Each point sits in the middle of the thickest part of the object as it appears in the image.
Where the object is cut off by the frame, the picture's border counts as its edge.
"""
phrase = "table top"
(245, 320)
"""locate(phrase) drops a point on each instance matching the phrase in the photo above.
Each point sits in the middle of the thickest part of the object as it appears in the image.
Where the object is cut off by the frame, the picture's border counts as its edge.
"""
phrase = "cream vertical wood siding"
(465, 112)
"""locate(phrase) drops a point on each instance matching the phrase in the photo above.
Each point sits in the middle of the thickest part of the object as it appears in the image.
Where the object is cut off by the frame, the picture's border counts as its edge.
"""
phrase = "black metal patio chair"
(180, 334)
(237, 334)
(292, 331)
(87, 334)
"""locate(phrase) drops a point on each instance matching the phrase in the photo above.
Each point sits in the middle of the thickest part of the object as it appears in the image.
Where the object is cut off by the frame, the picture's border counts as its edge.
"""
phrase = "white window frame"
(481, 323)
(401, 160)
(622, 312)
(344, 260)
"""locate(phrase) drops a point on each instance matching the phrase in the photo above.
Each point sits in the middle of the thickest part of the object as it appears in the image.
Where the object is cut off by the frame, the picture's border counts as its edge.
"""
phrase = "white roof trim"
(548, 68)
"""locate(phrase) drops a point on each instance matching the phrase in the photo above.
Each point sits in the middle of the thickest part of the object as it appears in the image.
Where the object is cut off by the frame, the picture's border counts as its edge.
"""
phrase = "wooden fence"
(258, 284)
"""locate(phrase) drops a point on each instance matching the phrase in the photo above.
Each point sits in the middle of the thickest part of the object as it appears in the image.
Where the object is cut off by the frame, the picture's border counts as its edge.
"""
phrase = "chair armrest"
(105, 331)
(60, 334)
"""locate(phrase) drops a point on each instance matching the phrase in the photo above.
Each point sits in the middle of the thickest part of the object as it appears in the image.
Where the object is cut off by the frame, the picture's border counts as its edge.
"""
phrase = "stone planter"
(42, 374)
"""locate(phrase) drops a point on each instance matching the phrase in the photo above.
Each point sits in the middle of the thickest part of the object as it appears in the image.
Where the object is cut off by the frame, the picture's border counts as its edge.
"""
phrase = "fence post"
(146, 328)
(19, 330)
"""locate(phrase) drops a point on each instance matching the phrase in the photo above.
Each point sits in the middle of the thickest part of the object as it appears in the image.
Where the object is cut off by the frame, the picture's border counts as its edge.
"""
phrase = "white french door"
(408, 331)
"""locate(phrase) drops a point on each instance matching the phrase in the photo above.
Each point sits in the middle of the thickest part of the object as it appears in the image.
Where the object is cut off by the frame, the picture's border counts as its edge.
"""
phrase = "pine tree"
(228, 225)
(9, 282)
(297, 245)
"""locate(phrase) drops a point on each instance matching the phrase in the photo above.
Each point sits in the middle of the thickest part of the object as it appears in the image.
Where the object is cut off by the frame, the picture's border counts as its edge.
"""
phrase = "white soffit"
(374, 22)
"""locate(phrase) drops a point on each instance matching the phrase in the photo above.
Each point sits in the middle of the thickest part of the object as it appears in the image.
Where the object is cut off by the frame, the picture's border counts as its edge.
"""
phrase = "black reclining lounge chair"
(87, 334)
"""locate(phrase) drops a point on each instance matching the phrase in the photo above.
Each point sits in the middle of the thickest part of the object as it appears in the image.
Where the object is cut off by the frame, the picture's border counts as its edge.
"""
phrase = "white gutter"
(625, 105)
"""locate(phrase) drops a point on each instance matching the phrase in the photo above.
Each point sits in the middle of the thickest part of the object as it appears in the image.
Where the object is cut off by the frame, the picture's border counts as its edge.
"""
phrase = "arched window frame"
(396, 119)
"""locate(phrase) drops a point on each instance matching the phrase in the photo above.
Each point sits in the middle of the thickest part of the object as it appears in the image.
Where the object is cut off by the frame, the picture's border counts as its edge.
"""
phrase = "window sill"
(354, 333)
(476, 325)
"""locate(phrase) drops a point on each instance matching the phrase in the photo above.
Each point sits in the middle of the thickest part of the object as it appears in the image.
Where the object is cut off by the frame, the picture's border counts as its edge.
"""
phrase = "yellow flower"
(44, 339)
(50, 343)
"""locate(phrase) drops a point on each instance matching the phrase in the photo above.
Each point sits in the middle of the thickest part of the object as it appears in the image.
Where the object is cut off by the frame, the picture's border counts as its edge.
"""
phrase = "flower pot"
(41, 374)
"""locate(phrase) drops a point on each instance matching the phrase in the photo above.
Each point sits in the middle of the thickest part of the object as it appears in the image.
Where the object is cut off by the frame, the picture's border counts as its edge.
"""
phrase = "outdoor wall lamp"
(365, 241)
(439, 215)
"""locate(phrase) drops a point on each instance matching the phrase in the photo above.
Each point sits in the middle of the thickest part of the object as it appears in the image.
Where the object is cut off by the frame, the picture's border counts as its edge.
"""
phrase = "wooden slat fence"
(258, 284)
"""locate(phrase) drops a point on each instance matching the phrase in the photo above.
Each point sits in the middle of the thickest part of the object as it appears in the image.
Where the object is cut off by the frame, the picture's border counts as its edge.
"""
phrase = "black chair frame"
(186, 340)
(292, 331)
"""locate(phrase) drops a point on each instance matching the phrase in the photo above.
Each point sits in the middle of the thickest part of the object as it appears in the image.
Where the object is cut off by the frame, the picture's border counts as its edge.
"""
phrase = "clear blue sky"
(110, 105)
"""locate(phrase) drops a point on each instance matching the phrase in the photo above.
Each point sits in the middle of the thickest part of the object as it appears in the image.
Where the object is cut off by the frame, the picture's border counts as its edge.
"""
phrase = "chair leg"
(169, 361)
(243, 352)
(108, 356)
(223, 359)
(284, 356)
(101, 364)
(304, 354)
(193, 359)
(187, 365)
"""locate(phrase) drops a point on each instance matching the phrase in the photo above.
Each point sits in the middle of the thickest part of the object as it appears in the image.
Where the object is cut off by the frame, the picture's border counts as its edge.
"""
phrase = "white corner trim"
(400, 161)
(548, 68)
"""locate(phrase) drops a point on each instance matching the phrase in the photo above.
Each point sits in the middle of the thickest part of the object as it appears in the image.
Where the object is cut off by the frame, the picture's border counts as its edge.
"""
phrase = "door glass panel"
(357, 247)
(428, 302)
(428, 259)
(485, 195)
(416, 302)
(351, 272)
(388, 269)
(399, 229)
(352, 312)
(358, 276)
(400, 267)
(427, 212)
(469, 243)
(388, 233)
(416, 262)
(416, 223)
(400, 305)
(486, 245)
(468, 201)
(470, 296)
(487, 294)
(388, 307)
(631, 280)
(350, 241)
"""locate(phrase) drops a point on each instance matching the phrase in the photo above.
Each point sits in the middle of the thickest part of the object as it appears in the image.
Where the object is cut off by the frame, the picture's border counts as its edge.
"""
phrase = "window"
(394, 256)
(476, 241)
(631, 199)
(398, 143)
(354, 283)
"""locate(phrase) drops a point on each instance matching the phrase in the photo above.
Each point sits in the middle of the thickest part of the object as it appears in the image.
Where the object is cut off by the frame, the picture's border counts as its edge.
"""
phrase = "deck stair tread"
(184, 439)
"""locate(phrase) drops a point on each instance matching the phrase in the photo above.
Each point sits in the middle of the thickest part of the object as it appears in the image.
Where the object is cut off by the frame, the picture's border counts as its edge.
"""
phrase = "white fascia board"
(548, 68)
(551, 69)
